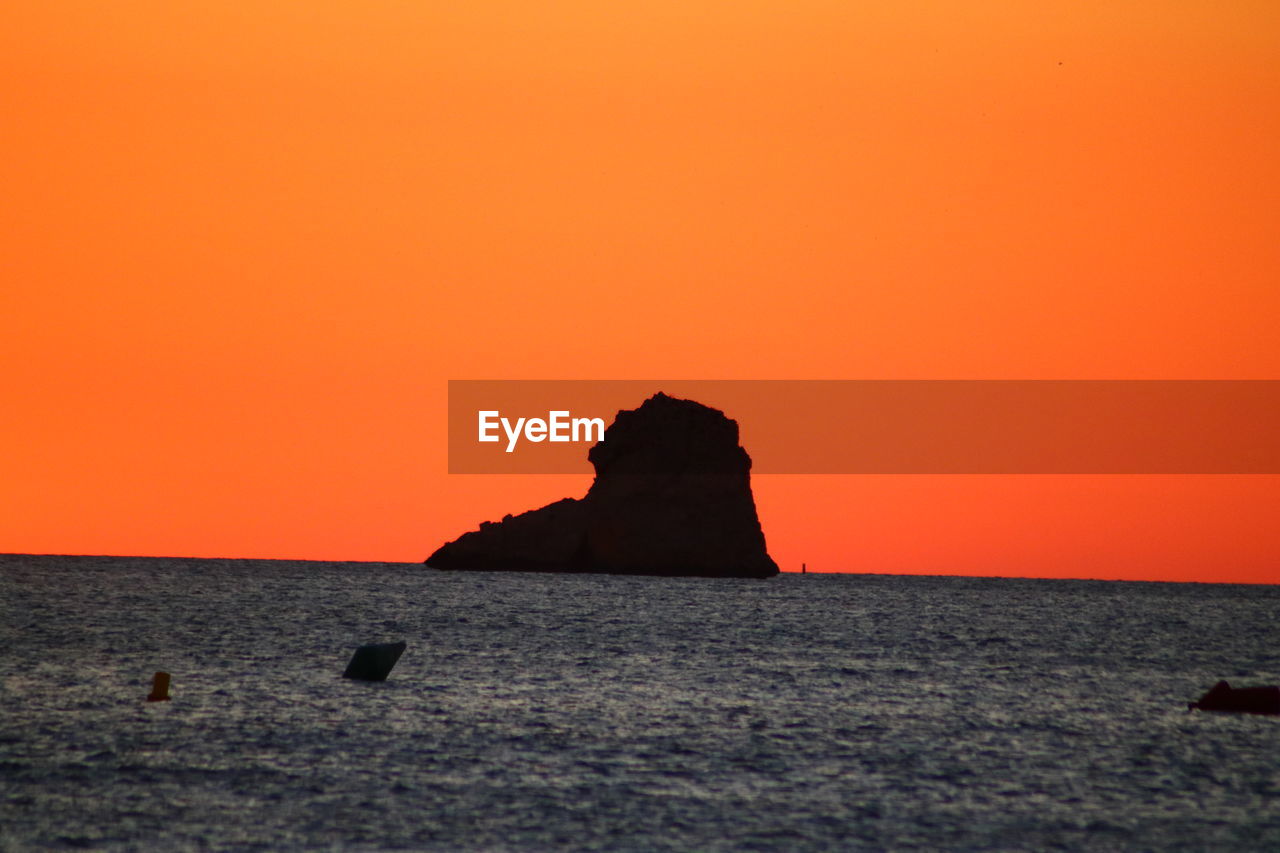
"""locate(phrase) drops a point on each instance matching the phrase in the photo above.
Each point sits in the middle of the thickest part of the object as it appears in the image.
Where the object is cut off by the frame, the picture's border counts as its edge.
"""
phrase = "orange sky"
(244, 245)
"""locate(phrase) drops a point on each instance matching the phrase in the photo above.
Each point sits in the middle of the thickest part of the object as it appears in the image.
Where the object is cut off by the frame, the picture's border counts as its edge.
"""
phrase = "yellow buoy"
(159, 688)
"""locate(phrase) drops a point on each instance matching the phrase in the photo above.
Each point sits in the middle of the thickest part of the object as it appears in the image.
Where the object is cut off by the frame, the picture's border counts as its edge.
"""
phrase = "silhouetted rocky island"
(671, 496)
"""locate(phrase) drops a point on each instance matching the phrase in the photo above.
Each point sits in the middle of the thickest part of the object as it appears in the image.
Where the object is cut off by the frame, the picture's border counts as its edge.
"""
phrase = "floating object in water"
(159, 688)
(1240, 700)
(374, 662)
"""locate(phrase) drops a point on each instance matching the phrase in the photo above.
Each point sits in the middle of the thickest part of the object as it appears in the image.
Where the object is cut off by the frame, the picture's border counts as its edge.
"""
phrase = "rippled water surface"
(536, 712)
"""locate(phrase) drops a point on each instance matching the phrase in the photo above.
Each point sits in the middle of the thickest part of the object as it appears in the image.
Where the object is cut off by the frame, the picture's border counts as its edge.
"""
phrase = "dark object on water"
(1239, 700)
(374, 662)
(671, 496)
(159, 688)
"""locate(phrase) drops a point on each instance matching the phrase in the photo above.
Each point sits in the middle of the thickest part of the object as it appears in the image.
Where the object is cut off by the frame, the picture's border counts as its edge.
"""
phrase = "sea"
(540, 712)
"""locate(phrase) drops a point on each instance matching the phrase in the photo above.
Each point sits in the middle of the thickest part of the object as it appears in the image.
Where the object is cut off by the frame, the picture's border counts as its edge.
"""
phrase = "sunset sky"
(245, 246)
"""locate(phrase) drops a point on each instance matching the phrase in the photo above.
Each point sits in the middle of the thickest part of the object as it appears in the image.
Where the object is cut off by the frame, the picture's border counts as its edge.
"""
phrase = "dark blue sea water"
(546, 712)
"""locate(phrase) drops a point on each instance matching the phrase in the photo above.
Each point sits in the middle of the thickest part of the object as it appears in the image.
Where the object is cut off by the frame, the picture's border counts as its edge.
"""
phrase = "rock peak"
(668, 435)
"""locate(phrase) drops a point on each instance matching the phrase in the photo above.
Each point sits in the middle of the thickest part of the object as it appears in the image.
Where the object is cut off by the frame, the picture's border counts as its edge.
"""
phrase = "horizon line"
(5, 554)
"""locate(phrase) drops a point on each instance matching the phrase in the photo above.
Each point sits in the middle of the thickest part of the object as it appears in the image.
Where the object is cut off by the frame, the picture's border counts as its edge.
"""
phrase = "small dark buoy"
(374, 662)
(803, 568)
(159, 688)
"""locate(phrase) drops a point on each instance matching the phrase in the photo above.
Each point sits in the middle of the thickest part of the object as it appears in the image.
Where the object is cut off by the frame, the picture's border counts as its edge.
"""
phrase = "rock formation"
(671, 496)
(1241, 700)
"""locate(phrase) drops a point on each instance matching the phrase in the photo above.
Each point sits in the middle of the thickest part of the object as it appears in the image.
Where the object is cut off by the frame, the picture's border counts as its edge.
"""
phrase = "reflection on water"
(538, 711)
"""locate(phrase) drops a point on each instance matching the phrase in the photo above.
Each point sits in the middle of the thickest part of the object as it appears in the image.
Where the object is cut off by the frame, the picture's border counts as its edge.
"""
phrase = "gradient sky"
(244, 245)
